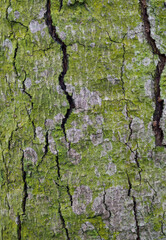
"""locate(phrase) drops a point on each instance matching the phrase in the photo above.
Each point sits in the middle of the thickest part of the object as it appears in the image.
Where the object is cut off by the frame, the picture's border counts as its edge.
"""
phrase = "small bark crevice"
(61, 5)
(65, 64)
(136, 217)
(18, 222)
(14, 59)
(130, 185)
(105, 205)
(31, 102)
(159, 103)
(69, 194)
(63, 223)
(58, 166)
(25, 187)
(45, 146)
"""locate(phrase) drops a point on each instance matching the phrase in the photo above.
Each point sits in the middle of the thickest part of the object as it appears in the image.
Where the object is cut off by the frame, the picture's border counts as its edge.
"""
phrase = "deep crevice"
(136, 217)
(63, 222)
(46, 146)
(130, 185)
(61, 5)
(69, 194)
(138, 165)
(18, 227)
(58, 166)
(105, 205)
(14, 59)
(31, 102)
(56, 38)
(25, 188)
(159, 103)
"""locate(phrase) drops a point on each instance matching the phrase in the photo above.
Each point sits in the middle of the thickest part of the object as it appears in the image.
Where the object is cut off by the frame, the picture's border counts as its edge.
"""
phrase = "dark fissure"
(159, 103)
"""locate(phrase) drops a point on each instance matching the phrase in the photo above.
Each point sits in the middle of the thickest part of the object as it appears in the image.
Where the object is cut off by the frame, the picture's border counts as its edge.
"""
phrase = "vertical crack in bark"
(31, 102)
(61, 5)
(58, 166)
(63, 222)
(138, 165)
(65, 63)
(159, 103)
(130, 185)
(18, 221)
(45, 147)
(69, 194)
(25, 188)
(134, 207)
(136, 217)
(105, 205)
(10, 140)
(14, 58)
(162, 225)
(130, 128)
(56, 38)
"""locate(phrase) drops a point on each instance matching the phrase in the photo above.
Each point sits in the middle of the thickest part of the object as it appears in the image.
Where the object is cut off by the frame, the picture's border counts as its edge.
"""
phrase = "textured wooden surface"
(83, 119)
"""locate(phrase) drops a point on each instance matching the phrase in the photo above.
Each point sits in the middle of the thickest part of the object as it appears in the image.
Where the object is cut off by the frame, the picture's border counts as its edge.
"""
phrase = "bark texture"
(83, 119)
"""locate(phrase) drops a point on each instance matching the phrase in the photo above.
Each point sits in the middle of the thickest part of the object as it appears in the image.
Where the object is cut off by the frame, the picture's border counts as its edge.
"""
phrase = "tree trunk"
(82, 147)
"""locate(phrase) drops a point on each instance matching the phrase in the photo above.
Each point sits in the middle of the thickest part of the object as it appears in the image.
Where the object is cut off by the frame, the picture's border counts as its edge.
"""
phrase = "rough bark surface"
(83, 119)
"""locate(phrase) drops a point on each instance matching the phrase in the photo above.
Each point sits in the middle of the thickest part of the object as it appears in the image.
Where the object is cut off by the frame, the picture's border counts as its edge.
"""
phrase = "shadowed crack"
(14, 59)
(25, 192)
(69, 194)
(134, 207)
(61, 5)
(136, 218)
(162, 225)
(159, 103)
(46, 146)
(105, 205)
(130, 185)
(56, 38)
(28, 112)
(18, 222)
(137, 163)
(63, 223)
(58, 166)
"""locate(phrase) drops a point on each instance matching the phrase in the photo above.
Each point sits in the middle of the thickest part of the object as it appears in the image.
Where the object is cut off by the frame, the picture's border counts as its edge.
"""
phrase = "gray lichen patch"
(138, 128)
(81, 198)
(52, 144)
(35, 26)
(75, 157)
(17, 15)
(111, 169)
(113, 80)
(40, 134)
(115, 207)
(58, 118)
(86, 99)
(28, 83)
(7, 43)
(50, 124)
(97, 138)
(74, 135)
(30, 154)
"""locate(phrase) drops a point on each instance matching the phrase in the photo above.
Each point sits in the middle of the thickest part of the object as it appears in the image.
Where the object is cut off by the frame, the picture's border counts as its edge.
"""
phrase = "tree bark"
(82, 144)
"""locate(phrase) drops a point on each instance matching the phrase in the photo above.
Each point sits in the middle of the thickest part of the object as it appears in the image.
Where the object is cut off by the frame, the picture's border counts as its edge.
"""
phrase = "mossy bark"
(82, 144)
